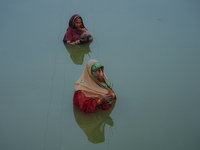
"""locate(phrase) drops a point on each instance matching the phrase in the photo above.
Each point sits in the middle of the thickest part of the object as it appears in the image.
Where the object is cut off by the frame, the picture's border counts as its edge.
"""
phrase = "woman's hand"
(73, 43)
(86, 32)
(84, 40)
(106, 98)
(91, 38)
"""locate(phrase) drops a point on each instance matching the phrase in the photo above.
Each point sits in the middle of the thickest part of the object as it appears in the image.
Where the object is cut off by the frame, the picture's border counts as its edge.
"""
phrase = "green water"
(150, 50)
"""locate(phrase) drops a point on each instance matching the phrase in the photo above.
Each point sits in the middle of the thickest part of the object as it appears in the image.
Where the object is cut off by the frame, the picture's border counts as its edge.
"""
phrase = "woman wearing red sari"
(76, 32)
(93, 88)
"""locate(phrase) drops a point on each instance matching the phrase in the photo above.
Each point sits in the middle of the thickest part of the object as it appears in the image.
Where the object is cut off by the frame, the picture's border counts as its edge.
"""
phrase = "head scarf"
(72, 30)
(72, 21)
(89, 85)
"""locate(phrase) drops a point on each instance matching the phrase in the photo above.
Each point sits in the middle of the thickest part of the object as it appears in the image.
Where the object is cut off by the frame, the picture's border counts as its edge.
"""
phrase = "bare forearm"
(73, 43)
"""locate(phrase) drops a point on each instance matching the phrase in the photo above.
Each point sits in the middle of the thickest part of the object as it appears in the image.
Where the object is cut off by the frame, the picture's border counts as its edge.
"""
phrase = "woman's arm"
(105, 102)
(91, 38)
(68, 37)
(73, 43)
(106, 98)
(87, 32)
(87, 104)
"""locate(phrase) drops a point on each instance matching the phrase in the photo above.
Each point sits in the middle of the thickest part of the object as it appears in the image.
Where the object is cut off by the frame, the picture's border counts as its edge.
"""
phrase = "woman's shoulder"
(69, 31)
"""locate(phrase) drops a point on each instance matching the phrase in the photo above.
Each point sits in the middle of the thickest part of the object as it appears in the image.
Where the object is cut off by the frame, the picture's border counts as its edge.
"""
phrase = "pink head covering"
(72, 33)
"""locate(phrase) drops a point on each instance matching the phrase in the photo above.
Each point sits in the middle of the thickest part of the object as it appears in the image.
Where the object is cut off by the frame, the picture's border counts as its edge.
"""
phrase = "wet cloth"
(88, 89)
(72, 33)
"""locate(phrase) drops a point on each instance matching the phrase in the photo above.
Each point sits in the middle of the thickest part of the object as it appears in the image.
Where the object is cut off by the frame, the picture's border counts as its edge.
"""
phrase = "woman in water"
(93, 88)
(76, 32)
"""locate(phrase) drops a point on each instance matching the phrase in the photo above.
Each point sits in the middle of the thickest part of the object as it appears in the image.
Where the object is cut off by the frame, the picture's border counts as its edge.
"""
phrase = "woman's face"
(78, 23)
(96, 73)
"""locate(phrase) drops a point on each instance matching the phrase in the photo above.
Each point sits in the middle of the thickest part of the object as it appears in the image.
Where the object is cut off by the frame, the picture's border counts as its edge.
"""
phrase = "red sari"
(72, 33)
(88, 104)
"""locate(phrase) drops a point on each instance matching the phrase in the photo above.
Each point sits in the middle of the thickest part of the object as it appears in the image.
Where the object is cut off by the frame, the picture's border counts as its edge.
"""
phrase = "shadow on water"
(77, 52)
(93, 124)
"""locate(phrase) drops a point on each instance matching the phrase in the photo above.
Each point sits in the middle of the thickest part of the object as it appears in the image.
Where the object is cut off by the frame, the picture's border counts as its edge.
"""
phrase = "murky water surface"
(150, 50)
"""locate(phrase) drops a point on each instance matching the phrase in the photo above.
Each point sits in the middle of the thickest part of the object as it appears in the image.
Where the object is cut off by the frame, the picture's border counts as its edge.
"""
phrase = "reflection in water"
(93, 124)
(77, 52)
